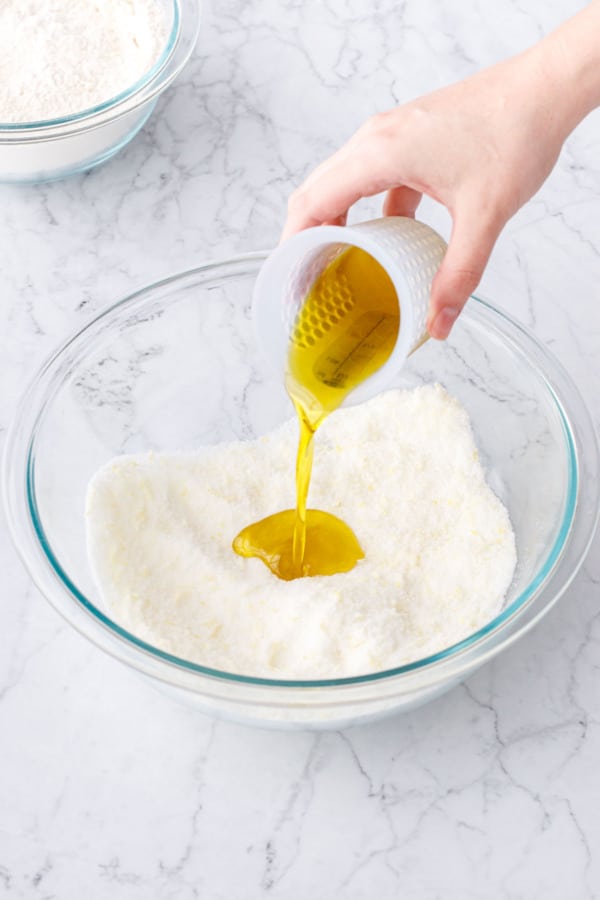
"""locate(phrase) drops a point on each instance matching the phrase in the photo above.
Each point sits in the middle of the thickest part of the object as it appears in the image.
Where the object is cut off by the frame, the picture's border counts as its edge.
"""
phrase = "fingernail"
(441, 325)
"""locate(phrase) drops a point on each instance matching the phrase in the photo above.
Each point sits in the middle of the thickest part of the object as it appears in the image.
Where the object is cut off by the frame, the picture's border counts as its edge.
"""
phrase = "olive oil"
(345, 330)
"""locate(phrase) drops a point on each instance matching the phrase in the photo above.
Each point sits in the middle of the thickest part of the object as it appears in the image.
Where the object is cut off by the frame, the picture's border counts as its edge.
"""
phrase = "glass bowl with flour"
(154, 435)
(78, 79)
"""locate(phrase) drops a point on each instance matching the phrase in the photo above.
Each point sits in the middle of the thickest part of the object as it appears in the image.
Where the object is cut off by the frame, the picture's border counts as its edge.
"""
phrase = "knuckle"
(377, 125)
(464, 280)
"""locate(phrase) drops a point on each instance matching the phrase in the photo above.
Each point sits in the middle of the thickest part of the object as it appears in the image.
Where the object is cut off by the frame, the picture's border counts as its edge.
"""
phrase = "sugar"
(402, 471)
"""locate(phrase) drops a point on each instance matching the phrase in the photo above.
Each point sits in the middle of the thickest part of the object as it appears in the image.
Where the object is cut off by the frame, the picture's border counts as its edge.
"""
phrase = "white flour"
(59, 57)
(439, 548)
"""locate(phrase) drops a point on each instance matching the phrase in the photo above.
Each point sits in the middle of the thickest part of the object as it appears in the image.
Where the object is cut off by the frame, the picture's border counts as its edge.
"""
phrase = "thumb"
(469, 249)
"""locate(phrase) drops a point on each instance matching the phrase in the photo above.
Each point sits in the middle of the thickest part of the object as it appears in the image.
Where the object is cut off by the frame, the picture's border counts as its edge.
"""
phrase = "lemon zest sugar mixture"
(402, 470)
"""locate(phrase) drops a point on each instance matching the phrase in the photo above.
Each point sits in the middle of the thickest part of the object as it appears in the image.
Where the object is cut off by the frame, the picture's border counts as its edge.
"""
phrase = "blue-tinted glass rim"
(141, 83)
(454, 650)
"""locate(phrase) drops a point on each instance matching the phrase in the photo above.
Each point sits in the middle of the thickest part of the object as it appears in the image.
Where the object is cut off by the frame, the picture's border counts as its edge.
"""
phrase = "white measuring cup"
(409, 251)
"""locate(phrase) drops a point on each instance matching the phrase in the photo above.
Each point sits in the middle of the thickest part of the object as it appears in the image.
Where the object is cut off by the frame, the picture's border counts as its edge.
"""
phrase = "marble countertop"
(108, 789)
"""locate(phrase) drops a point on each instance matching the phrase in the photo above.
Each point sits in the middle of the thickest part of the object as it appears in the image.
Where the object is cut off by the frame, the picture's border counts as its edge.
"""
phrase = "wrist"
(570, 58)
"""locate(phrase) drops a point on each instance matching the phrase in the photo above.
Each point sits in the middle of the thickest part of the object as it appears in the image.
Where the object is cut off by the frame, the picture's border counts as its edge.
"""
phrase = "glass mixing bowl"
(43, 151)
(175, 366)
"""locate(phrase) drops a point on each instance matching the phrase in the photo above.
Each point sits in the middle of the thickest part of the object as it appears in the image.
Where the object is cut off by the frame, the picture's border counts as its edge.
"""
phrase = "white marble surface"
(109, 790)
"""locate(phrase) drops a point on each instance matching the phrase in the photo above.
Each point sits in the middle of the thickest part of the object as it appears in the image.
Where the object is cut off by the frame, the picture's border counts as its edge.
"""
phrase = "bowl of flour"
(155, 434)
(78, 79)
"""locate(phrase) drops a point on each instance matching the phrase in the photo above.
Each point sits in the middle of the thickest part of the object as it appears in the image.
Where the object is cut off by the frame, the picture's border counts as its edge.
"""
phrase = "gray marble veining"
(109, 790)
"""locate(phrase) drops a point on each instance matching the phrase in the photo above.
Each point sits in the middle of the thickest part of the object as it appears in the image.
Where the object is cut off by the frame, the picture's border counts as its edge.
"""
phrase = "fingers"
(401, 201)
(375, 159)
(330, 195)
(359, 169)
(469, 249)
(339, 220)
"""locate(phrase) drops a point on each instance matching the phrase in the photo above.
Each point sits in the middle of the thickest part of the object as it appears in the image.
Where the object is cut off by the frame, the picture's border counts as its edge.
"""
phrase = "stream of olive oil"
(344, 331)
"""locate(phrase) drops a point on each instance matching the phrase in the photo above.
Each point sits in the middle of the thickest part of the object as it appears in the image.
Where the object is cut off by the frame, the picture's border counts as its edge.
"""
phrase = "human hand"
(481, 147)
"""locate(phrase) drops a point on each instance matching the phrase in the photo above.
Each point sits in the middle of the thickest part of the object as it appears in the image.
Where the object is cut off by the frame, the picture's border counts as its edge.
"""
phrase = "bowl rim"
(34, 547)
(180, 43)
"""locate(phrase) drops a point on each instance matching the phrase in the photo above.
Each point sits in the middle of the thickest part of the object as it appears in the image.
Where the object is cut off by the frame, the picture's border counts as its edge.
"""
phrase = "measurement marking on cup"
(334, 368)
